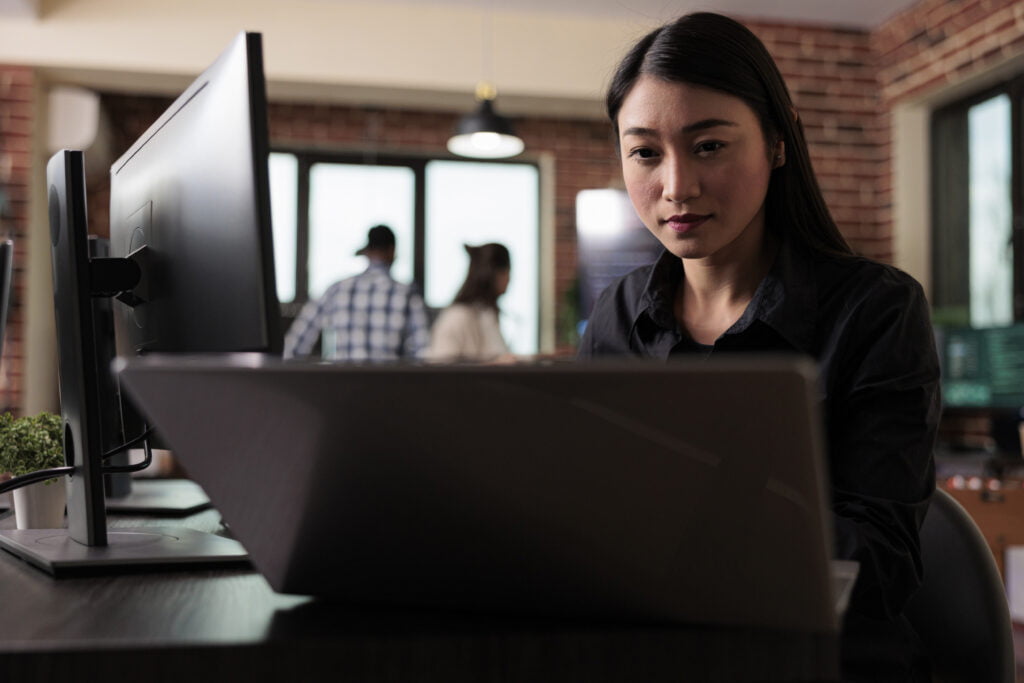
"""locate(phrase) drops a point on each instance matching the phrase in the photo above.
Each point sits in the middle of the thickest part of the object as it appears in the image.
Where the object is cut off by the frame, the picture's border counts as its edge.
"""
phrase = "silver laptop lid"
(687, 492)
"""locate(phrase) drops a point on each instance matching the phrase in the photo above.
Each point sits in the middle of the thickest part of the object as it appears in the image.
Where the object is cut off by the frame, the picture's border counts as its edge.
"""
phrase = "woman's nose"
(680, 183)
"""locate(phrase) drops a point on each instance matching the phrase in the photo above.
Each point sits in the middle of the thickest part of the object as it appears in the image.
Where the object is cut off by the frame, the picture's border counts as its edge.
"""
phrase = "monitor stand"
(87, 545)
(56, 553)
(161, 497)
(158, 496)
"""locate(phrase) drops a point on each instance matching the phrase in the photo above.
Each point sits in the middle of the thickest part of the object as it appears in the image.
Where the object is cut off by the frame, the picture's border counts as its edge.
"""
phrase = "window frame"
(950, 207)
(306, 158)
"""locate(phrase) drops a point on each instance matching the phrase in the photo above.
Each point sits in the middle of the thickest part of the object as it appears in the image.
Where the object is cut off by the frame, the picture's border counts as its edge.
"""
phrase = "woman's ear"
(779, 152)
(779, 155)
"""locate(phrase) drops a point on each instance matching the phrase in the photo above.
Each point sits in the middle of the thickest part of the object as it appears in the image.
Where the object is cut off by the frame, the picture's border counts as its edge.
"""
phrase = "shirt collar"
(786, 299)
(379, 267)
(660, 291)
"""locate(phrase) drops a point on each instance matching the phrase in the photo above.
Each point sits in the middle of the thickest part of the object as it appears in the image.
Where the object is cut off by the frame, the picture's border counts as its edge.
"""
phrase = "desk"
(228, 625)
(995, 503)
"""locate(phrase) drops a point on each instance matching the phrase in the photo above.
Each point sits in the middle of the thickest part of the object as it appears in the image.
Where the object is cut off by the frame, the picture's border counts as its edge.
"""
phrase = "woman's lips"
(685, 222)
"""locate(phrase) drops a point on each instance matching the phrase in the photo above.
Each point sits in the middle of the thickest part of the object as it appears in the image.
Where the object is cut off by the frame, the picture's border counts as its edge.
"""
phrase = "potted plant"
(28, 444)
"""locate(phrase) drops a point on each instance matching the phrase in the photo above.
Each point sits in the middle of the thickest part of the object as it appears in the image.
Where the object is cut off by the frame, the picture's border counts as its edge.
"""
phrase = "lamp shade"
(485, 134)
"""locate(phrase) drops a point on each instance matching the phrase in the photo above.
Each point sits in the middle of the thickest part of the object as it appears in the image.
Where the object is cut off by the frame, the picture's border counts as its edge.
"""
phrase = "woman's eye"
(642, 153)
(709, 147)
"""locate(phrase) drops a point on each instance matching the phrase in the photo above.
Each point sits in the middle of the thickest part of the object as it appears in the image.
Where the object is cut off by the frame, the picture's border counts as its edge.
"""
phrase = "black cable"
(137, 467)
(43, 475)
(146, 433)
(33, 477)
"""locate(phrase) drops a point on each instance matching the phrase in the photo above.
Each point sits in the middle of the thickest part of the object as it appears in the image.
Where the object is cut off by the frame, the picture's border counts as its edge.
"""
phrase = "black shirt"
(867, 326)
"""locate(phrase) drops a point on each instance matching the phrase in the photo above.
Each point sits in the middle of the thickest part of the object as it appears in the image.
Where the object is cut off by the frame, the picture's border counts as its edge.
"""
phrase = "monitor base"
(170, 497)
(56, 553)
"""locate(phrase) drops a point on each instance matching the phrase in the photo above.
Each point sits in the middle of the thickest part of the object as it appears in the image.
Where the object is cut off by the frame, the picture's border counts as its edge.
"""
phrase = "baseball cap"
(379, 237)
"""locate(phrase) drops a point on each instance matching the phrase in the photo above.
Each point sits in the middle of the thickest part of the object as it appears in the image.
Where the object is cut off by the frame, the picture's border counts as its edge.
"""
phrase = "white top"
(467, 332)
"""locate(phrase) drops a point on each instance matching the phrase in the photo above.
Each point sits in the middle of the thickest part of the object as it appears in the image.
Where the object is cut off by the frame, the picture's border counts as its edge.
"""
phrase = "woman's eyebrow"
(639, 130)
(703, 124)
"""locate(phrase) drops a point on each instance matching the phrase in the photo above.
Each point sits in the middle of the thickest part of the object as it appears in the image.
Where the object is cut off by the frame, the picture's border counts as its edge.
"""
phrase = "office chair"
(961, 611)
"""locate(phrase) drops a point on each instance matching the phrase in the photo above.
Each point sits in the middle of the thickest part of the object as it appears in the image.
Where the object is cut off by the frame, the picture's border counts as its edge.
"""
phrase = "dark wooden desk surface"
(227, 624)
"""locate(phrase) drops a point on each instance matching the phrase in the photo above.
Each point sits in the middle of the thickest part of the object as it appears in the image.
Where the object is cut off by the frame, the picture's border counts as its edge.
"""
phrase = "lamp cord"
(487, 44)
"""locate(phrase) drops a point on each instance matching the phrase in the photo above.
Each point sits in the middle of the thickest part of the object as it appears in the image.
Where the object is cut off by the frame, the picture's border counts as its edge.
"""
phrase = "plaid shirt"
(368, 316)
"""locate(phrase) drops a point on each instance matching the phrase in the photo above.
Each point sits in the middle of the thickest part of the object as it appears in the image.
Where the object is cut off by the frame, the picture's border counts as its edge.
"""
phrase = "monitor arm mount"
(122, 278)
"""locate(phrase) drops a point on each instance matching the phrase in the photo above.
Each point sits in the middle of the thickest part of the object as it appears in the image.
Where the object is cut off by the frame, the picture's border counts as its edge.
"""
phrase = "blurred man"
(369, 316)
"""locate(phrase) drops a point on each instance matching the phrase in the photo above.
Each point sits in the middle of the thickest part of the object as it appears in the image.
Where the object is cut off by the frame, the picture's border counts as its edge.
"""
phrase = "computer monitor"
(190, 201)
(115, 485)
(191, 270)
(983, 373)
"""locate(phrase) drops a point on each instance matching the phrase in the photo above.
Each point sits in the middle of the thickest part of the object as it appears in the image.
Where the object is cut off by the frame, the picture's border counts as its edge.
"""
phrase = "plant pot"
(40, 505)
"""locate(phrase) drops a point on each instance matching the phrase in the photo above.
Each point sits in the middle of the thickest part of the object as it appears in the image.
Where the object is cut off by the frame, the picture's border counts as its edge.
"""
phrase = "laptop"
(689, 492)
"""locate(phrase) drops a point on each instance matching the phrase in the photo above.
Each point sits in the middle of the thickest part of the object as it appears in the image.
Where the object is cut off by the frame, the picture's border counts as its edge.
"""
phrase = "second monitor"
(192, 270)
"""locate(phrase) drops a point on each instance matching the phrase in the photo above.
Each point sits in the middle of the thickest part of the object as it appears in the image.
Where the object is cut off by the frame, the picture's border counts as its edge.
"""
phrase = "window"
(978, 251)
(323, 205)
(283, 210)
(346, 200)
(475, 203)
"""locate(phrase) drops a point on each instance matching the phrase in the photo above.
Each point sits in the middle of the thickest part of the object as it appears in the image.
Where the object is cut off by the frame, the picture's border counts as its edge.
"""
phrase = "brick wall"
(831, 77)
(16, 123)
(847, 83)
(935, 44)
(939, 42)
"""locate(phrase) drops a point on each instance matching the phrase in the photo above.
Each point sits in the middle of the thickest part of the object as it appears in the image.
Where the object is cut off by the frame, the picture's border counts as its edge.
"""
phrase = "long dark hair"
(714, 51)
(485, 262)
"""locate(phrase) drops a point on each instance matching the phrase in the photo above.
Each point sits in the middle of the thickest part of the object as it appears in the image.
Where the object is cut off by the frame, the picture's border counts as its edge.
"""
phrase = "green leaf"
(31, 443)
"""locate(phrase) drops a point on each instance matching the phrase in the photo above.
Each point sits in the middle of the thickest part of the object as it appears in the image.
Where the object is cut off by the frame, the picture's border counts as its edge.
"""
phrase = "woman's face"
(696, 166)
(501, 280)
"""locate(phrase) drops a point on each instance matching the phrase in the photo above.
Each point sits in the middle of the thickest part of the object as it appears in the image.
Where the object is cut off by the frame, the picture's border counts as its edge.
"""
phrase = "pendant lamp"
(485, 134)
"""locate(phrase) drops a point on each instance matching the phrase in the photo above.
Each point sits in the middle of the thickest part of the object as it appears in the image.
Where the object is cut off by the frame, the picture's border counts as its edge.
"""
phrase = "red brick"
(16, 127)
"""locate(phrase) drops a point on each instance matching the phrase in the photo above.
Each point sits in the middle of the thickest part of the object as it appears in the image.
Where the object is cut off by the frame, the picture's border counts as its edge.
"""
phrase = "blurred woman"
(468, 329)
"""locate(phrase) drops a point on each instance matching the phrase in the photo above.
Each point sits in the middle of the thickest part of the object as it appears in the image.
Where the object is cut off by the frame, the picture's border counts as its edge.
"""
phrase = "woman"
(715, 162)
(468, 330)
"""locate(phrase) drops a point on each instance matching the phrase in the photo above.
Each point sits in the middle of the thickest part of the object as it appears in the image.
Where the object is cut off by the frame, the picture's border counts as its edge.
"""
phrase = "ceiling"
(862, 14)
(19, 8)
(556, 77)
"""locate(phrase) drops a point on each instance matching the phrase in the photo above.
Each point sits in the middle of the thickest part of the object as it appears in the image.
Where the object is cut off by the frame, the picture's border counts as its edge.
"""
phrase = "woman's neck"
(714, 292)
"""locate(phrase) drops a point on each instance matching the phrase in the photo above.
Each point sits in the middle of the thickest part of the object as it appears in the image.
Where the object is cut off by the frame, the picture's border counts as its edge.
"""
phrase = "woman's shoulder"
(863, 277)
(464, 313)
(456, 311)
(864, 294)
